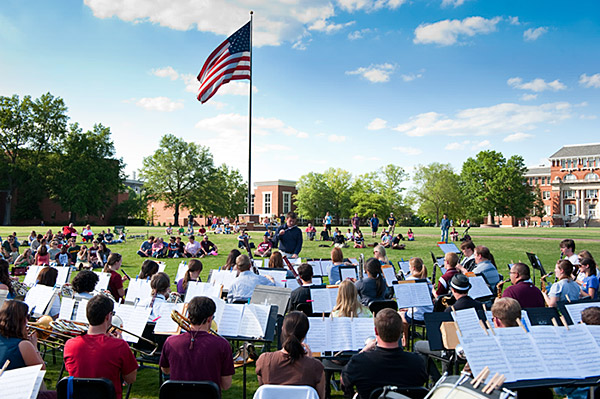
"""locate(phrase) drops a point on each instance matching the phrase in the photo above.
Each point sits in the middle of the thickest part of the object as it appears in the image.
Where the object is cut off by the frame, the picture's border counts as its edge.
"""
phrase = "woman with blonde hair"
(347, 304)
(380, 254)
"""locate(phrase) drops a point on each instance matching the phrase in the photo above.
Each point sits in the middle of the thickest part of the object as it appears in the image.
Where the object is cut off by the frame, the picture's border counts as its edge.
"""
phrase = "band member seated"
(591, 316)
(191, 274)
(372, 287)
(506, 311)
(460, 286)
(522, 289)
(149, 268)
(84, 284)
(161, 288)
(47, 276)
(293, 364)
(15, 344)
(198, 355)
(565, 289)
(484, 264)
(468, 262)
(246, 281)
(567, 249)
(450, 262)
(347, 304)
(302, 294)
(115, 284)
(384, 363)
(99, 354)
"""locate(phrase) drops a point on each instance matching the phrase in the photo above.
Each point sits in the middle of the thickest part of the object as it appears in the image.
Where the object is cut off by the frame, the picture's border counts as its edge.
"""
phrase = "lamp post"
(152, 215)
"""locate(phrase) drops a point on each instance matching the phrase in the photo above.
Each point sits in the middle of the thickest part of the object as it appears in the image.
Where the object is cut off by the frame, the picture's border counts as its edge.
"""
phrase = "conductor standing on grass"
(289, 237)
(444, 226)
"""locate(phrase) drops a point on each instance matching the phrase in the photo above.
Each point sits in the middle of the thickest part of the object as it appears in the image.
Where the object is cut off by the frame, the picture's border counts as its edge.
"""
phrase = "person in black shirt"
(460, 285)
(386, 363)
(302, 294)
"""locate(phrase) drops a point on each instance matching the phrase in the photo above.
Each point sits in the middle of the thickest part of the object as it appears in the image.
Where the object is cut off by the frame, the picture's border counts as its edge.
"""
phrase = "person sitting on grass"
(207, 247)
(146, 248)
(264, 248)
(192, 248)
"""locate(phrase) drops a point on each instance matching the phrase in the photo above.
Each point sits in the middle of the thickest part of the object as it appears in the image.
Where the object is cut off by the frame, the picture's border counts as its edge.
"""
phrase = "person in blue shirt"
(289, 237)
(374, 223)
(444, 227)
(246, 281)
(327, 222)
(590, 282)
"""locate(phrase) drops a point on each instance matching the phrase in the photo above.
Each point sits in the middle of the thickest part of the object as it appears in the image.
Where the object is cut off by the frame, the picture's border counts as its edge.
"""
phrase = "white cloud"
(358, 34)
(162, 104)
(588, 117)
(453, 3)
(528, 97)
(369, 5)
(377, 124)
(516, 137)
(376, 73)
(363, 158)
(411, 77)
(447, 32)
(408, 150)
(514, 21)
(272, 148)
(229, 126)
(468, 145)
(166, 72)
(329, 27)
(537, 85)
(533, 34)
(334, 138)
(590, 81)
(500, 118)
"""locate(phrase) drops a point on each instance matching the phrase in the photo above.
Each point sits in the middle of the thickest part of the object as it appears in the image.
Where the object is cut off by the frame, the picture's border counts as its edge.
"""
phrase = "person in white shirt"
(192, 248)
(567, 249)
(160, 284)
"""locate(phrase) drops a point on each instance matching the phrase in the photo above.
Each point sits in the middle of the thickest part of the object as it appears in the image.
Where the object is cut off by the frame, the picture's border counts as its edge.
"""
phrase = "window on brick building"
(287, 201)
(569, 209)
(547, 210)
(570, 177)
(546, 195)
(591, 193)
(591, 177)
(267, 203)
(569, 194)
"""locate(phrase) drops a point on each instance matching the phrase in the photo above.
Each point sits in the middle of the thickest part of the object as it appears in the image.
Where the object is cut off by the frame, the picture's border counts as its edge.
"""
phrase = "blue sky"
(355, 84)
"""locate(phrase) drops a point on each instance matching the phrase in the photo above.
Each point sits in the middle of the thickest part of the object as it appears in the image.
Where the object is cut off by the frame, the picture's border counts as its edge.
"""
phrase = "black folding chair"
(85, 388)
(376, 306)
(189, 390)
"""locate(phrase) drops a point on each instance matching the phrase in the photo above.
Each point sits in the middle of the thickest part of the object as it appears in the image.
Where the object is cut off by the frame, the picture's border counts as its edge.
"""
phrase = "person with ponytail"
(416, 314)
(115, 284)
(5, 283)
(160, 285)
(347, 304)
(293, 364)
(192, 274)
(372, 287)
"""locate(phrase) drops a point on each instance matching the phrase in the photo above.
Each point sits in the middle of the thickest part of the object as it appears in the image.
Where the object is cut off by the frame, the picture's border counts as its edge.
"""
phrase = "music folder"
(449, 247)
(268, 295)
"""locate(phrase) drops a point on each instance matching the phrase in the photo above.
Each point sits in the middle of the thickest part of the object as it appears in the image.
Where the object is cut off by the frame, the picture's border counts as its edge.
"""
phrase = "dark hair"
(194, 266)
(373, 266)
(388, 324)
(568, 243)
(160, 283)
(522, 269)
(230, 262)
(200, 309)
(292, 215)
(295, 327)
(192, 237)
(149, 268)
(485, 253)
(5, 276)
(47, 276)
(591, 315)
(97, 309)
(85, 281)
(591, 263)
(42, 250)
(467, 245)
(13, 317)
(305, 271)
(585, 254)
(565, 266)
(112, 259)
(276, 260)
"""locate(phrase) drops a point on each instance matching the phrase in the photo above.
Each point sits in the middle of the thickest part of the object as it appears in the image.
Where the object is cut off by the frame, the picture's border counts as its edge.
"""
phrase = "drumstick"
(6, 363)
(485, 388)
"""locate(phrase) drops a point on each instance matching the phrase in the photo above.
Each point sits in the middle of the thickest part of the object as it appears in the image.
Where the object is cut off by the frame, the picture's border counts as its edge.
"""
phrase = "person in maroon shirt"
(522, 289)
(198, 355)
(443, 287)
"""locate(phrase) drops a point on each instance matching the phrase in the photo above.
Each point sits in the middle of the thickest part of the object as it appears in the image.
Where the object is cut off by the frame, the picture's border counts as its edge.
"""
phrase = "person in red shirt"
(264, 248)
(115, 284)
(99, 354)
(450, 262)
(522, 289)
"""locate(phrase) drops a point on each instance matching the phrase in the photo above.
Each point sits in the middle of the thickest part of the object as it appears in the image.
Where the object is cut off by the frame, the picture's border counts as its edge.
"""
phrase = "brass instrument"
(117, 326)
(67, 291)
(185, 324)
(361, 266)
(174, 297)
(443, 302)
(107, 293)
(19, 288)
(500, 286)
(46, 334)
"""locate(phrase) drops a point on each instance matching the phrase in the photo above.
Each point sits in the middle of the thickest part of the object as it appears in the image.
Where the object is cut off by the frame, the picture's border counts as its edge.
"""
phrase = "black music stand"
(350, 269)
(562, 306)
(536, 264)
(542, 316)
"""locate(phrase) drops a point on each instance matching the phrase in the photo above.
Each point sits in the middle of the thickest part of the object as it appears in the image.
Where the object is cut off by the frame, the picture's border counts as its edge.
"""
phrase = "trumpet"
(185, 324)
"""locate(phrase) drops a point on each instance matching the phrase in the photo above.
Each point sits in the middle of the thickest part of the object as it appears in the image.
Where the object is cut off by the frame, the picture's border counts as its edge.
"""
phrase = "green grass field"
(506, 244)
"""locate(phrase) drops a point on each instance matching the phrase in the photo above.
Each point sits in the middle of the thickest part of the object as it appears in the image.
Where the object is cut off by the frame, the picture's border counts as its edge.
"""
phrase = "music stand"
(348, 271)
(536, 264)
(268, 295)
(562, 306)
(541, 316)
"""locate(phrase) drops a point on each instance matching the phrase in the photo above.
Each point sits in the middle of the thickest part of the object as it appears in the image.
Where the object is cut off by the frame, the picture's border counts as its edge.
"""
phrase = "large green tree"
(177, 172)
(380, 192)
(437, 191)
(493, 185)
(319, 193)
(225, 194)
(29, 131)
(85, 176)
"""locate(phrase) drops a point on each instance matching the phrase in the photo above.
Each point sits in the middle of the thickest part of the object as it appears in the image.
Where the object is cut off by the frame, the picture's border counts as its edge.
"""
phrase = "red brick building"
(274, 197)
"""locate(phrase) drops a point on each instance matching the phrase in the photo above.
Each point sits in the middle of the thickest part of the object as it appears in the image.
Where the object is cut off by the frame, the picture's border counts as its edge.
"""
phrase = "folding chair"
(189, 390)
(286, 391)
(376, 306)
(85, 388)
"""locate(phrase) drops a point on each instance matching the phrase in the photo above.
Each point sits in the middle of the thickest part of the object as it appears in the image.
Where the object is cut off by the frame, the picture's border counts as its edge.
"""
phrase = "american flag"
(230, 61)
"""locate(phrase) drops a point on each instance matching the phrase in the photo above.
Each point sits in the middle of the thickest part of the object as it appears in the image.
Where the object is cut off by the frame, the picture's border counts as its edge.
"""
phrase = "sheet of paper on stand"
(31, 276)
(181, 269)
(449, 247)
(292, 283)
(103, 280)
(38, 297)
(80, 313)
(441, 262)
(405, 267)
(321, 300)
(578, 336)
(63, 275)
(354, 261)
(242, 320)
(575, 309)
(317, 337)
(22, 383)
(348, 273)
(258, 262)
(524, 358)
(134, 319)
(138, 290)
(67, 305)
(197, 288)
(338, 333)
(161, 267)
(3, 295)
(557, 358)
(483, 350)
(389, 275)
(279, 275)
(165, 324)
(318, 280)
(468, 322)
(479, 288)
(223, 277)
(325, 266)
(595, 331)
(412, 294)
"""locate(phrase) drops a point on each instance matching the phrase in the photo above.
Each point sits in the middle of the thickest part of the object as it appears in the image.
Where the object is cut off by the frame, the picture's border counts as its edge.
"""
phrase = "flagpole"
(250, 127)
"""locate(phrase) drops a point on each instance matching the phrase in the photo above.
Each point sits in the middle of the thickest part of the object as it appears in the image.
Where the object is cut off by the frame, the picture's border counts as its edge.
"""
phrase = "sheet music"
(405, 267)
(226, 278)
(31, 276)
(181, 269)
(38, 297)
(363, 328)
(325, 265)
(348, 273)
(278, 275)
(332, 290)
(321, 300)
(354, 261)
(525, 319)
(556, 357)
(38, 384)
(63, 275)
(3, 295)
(165, 324)
(317, 337)
(575, 309)
(230, 319)
(468, 322)
(134, 320)
(20, 383)
(595, 331)
(389, 274)
(138, 290)
(450, 247)
(578, 336)
(254, 321)
(258, 262)
(479, 288)
(161, 267)
(103, 279)
(523, 356)
(292, 283)
(317, 280)
(483, 350)
(80, 313)
(410, 295)
(341, 334)
(198, 288)
(67, 306)
(266, 262)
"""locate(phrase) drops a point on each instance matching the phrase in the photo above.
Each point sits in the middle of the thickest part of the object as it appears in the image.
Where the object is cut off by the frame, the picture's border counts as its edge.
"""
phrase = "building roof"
(538, 171)
(286, 183)
(577, 150)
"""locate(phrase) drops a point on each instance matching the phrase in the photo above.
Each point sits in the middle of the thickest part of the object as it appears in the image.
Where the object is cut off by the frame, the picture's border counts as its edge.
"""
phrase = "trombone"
(117, 325)
(184, 323)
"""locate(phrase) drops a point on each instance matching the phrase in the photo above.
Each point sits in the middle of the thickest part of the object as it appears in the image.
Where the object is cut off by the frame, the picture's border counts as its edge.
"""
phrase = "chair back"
(189, 390)
(395, 392)
(286, 391)
(376, 306)
(305, 308)
(85, 388)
